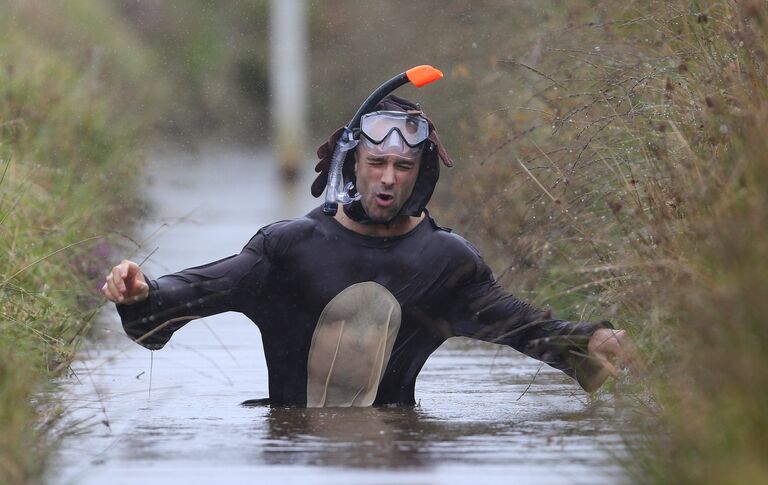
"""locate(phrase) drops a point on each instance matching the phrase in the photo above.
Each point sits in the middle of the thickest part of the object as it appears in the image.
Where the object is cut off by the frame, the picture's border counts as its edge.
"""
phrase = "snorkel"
(335, 190)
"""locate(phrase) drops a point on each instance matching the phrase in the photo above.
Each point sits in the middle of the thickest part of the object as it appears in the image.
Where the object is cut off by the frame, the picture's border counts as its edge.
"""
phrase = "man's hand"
(611, 349)
(125, 284)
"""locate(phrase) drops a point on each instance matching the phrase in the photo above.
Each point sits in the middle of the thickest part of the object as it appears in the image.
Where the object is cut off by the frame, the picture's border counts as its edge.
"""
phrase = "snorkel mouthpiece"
(335, 191)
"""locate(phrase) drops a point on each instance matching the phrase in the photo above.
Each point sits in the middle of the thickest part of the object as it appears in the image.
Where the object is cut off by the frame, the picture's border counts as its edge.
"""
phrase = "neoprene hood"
(429, 168)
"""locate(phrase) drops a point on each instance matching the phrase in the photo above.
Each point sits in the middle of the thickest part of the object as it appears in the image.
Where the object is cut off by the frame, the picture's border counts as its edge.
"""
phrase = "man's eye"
(405, 166)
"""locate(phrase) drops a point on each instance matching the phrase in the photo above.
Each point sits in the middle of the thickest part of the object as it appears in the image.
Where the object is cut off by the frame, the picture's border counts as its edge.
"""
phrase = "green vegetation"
(627, 179)
(70, 113)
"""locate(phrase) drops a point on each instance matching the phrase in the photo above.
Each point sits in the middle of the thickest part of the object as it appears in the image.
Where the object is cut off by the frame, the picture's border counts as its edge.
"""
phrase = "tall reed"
(68, 129)
(628, 181)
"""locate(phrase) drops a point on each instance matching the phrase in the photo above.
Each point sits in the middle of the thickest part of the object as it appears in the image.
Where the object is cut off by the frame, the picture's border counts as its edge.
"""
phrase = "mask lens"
(378, 125)
(392, 145)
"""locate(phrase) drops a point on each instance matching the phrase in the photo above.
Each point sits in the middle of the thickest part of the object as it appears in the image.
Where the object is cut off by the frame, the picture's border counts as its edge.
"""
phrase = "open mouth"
(385, 200)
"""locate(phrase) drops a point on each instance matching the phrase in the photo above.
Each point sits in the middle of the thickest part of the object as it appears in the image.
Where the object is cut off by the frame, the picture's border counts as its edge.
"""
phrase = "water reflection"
(397, 438)
(358, 437)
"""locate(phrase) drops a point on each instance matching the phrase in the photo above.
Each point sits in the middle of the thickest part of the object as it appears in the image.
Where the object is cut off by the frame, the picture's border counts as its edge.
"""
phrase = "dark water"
(482, 417)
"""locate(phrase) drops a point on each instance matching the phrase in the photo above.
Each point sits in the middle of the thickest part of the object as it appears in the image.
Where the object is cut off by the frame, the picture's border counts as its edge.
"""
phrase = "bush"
(68, 127)
(631, 184)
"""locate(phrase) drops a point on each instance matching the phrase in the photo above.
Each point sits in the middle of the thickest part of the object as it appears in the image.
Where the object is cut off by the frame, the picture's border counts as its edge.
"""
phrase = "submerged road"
(482, 417)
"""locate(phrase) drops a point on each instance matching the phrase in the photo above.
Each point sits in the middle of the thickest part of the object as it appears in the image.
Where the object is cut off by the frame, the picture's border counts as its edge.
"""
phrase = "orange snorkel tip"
(423, 75)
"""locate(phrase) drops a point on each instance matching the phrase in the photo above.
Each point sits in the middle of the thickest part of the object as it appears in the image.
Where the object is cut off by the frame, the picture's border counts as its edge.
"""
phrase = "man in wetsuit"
(350, 307)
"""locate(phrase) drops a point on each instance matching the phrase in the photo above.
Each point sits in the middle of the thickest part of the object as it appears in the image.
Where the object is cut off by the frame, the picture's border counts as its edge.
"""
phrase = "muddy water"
(174, 418)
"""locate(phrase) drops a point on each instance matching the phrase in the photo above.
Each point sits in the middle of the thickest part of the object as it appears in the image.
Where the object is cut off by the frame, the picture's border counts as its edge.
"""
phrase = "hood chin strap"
(356, 212)
(429, 173)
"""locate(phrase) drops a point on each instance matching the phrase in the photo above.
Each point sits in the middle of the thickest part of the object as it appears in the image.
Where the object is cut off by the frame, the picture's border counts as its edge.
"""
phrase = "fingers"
(131, 268)
(609, 367)
(114, 287)
(125, 283)
(139, 290)
(620, 348)
(105, 291)
(630, 356)
(604, 342)
(118, 277)
(110, 291)
(615, 350)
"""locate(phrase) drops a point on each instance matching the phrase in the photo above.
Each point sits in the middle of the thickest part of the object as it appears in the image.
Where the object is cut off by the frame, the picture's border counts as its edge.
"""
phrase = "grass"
(68, 131)
(628, 181)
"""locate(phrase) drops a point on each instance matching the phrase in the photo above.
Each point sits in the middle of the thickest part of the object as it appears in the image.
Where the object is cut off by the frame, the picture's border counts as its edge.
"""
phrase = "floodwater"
(486, 414)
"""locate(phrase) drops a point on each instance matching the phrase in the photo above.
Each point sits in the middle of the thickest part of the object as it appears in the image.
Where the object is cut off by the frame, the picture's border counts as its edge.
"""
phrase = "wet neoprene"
(278, 281)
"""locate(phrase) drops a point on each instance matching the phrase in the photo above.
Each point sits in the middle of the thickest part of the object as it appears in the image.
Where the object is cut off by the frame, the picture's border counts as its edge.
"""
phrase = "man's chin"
(380, 219)
(381, 216)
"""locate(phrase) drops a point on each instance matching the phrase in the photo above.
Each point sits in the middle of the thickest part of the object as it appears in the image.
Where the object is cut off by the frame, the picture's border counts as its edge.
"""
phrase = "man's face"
(385, 182)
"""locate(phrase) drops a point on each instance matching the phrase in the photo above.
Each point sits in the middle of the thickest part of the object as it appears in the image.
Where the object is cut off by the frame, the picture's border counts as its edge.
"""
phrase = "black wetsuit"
(289, 271)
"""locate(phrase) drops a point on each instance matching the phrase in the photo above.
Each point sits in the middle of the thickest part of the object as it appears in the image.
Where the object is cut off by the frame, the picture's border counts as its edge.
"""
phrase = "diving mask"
(395, 133)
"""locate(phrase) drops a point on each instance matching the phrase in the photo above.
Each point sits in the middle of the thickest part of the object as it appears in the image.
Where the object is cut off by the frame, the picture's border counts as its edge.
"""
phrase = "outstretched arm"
(152, 310)
(585, 351)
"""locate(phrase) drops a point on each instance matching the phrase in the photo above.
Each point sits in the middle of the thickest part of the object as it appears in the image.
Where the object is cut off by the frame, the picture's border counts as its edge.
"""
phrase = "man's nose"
(388, 175)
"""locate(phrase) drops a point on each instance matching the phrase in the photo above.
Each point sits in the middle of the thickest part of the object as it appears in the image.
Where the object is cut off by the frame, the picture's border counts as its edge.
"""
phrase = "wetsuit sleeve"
(486, 311)
(230, 284)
